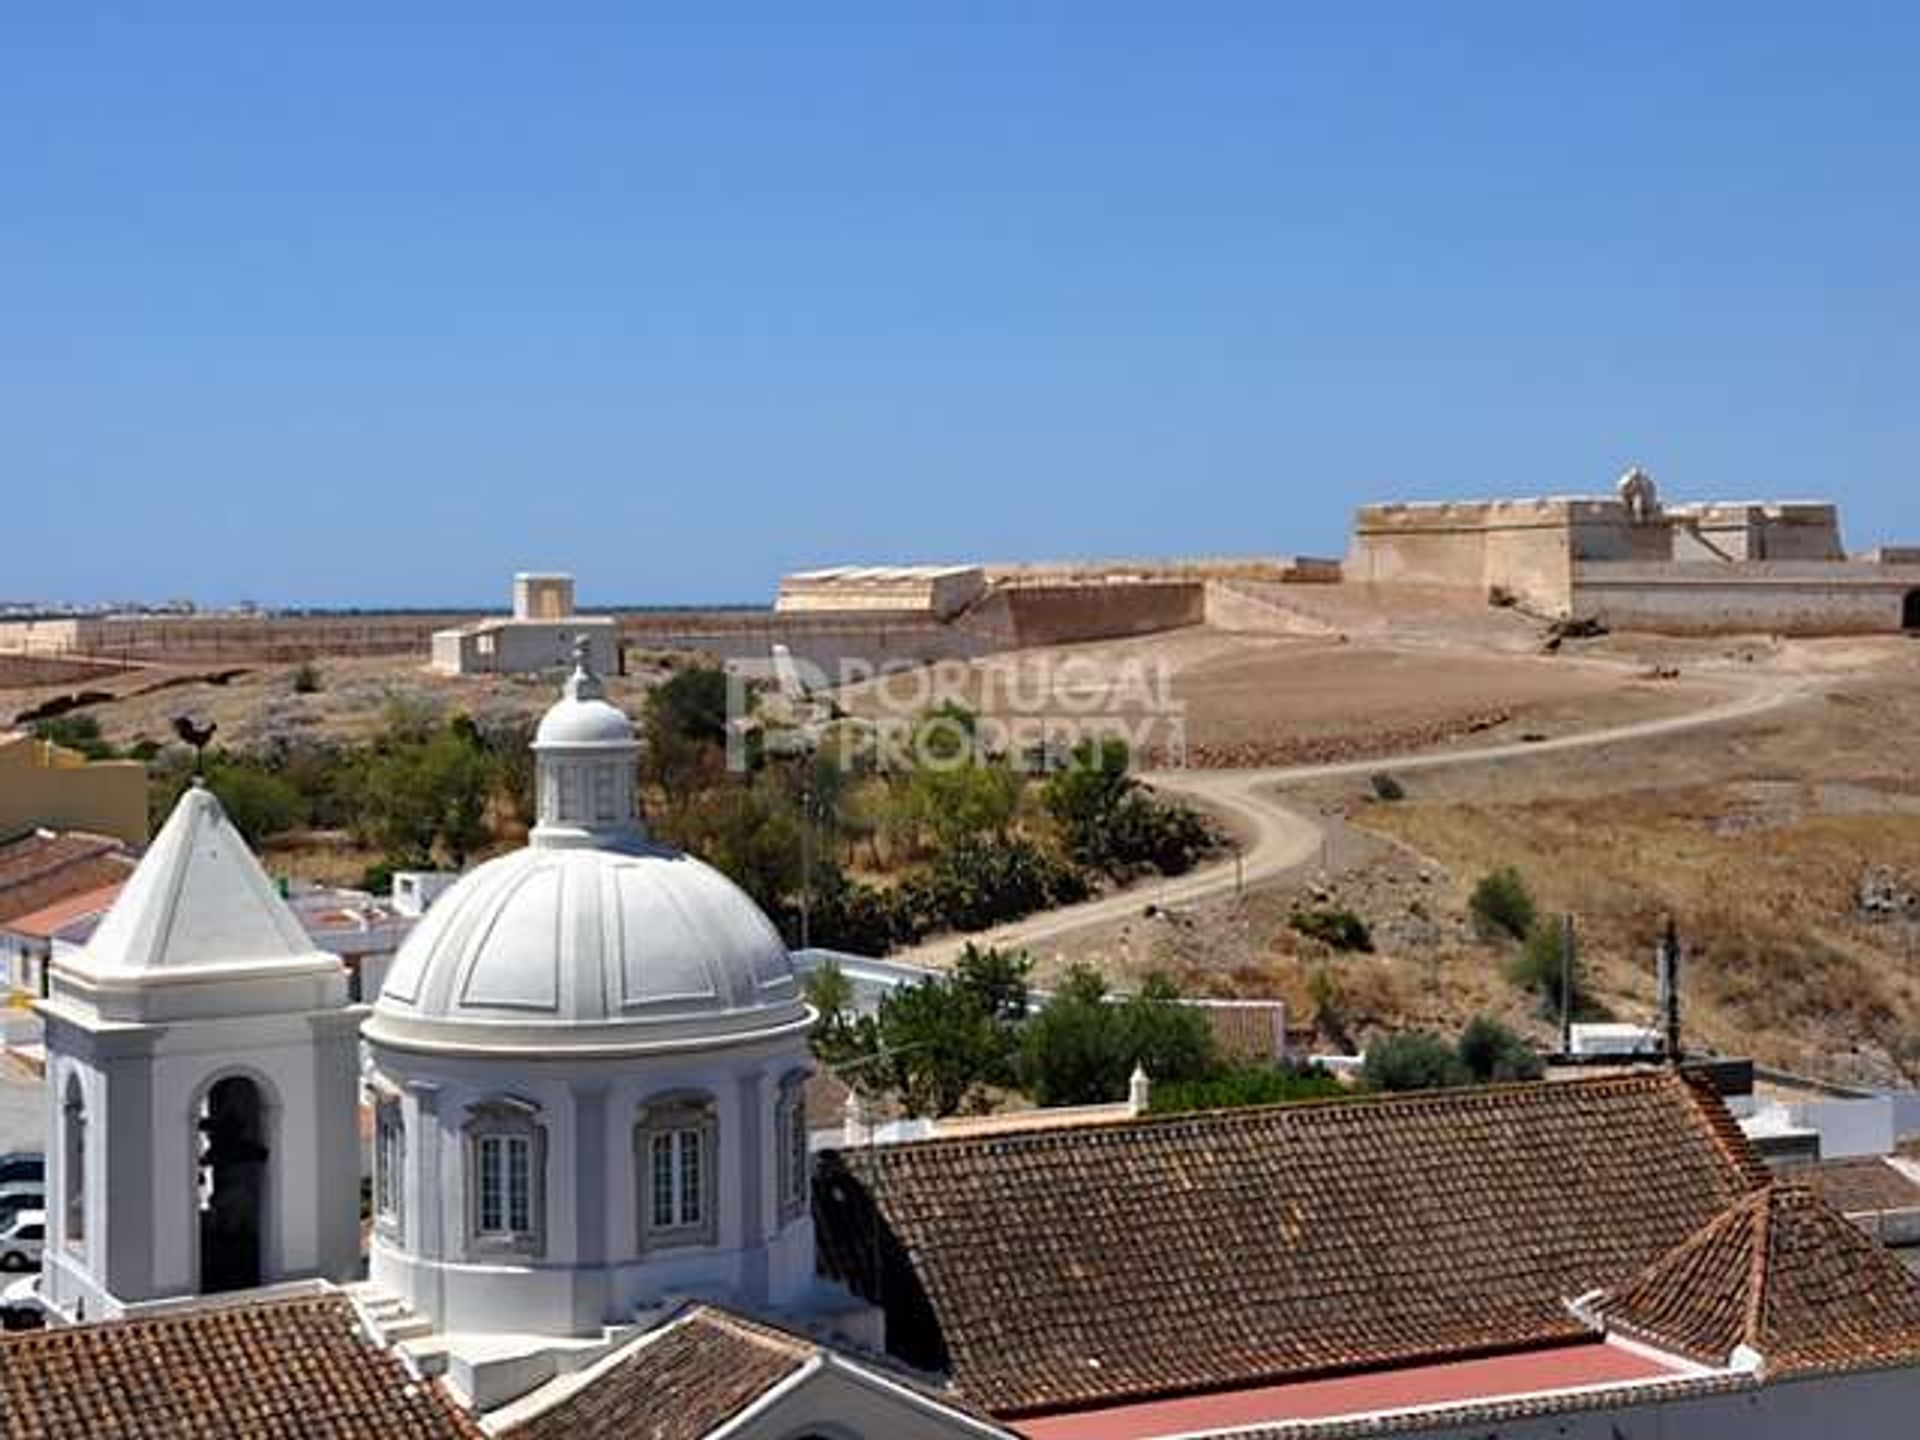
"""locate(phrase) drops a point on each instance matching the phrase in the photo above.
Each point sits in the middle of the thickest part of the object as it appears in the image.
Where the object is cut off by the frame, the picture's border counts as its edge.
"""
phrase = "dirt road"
(1276, 838)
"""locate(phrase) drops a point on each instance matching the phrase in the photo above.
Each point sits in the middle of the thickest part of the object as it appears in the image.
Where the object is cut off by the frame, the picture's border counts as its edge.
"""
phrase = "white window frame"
(74, 1177)
(503, 1127)
(389, 1165)
(681, 1134)
(793, 1160)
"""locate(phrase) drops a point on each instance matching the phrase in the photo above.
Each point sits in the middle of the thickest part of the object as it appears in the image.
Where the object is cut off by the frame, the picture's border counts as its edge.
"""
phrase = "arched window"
(74, 1163)
(790, 1134)
(675, 1149)
(389, 1164)
(506, 1178)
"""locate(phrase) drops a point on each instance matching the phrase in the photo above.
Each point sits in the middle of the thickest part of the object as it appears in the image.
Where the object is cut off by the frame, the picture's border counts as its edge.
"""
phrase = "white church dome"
(593, 938)
(570, 948)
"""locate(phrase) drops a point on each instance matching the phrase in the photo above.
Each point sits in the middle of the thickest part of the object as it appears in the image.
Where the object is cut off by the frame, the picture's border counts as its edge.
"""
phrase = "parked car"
(27, 1195)
(21, 1239)
(19, 1166)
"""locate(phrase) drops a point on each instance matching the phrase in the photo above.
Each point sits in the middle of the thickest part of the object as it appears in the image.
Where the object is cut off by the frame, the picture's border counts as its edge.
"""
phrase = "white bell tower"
(202, 1073)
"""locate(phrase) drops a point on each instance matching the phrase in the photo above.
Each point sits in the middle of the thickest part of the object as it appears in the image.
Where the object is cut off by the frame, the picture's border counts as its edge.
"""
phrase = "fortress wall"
(1779, 597)
(1523, 546)
(1065, 614)
(832, 645)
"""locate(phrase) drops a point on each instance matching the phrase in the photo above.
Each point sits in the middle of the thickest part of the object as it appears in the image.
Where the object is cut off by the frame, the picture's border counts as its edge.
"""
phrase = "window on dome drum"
(790, 1130)
(604, 786)
(389, 1162)
(506, 1178)
(74, 1163)
(676, 1154)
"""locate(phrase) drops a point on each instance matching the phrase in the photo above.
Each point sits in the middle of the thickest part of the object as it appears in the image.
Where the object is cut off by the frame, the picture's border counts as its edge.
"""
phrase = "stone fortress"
(1633, 562)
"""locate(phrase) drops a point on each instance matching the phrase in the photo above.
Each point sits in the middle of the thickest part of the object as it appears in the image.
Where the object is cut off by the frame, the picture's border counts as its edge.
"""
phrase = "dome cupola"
(587, 763)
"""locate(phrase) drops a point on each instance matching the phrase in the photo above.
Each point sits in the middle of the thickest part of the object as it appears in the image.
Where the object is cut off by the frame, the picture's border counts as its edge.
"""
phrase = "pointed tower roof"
(198, 900)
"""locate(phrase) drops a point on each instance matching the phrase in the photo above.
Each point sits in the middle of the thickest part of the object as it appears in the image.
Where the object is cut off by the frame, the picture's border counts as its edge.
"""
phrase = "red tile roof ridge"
(189, 1315)
(1759, 1276)
(1720, 1123)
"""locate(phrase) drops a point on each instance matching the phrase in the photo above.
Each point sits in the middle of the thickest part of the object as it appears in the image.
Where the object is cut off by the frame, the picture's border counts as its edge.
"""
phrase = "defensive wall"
(1634, 563)
(1782, 597)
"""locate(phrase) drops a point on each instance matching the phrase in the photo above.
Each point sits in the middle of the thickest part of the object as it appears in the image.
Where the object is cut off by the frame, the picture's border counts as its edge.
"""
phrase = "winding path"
(1276, 838)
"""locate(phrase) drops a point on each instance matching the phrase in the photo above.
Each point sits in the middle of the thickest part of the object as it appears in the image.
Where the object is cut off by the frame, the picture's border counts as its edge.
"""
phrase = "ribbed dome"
(588, 949)
(584, 722)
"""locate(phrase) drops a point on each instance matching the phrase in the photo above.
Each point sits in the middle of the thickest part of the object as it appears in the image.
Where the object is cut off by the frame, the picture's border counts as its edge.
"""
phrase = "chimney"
(1139, 1091)
(855, 1127)
(1667, 965)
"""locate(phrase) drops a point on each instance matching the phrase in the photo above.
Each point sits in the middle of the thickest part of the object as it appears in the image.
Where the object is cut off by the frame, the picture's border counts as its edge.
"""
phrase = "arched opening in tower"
(233, 1185)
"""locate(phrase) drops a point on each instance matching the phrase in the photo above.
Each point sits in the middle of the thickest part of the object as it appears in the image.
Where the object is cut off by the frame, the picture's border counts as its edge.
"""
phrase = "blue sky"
(379, 304)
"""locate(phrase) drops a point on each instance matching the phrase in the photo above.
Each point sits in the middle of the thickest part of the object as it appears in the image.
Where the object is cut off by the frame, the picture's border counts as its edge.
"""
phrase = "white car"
(30, 1195)
(21, 1239)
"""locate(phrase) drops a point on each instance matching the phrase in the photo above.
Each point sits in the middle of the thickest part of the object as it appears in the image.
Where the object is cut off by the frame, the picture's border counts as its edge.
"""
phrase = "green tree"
(260, 803)
(940, 1047)
(1070, 1053)
(997, 979)
(1413, 1060)
(1491, 1051)
(1081, 1047)
(427, 787)
(1501, 906)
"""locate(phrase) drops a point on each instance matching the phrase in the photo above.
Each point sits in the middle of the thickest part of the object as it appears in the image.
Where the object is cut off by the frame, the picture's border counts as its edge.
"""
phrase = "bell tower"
(202, 1073)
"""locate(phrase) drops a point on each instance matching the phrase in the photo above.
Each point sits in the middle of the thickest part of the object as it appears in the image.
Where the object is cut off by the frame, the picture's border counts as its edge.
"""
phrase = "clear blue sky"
(378, 305)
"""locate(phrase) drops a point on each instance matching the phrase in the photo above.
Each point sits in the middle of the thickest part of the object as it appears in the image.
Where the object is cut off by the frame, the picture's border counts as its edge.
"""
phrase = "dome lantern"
(587, 768)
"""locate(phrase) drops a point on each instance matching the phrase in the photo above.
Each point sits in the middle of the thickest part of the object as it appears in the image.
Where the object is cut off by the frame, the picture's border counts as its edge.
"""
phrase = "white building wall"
(593, 1269)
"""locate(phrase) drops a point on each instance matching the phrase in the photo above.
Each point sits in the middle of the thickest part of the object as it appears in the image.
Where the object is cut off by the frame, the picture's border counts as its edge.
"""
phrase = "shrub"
(1386, 787)
(260, 804)
(1341, 929)
(1501, 907)
(75, 731)
(1239, 1085)
(1490, 1051)
(306, 680)
(1111, 824)
(1413, 1060)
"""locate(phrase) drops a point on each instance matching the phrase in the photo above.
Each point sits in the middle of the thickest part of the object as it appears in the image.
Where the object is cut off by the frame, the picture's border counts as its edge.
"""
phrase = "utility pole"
(806, 865)
(1566, 984)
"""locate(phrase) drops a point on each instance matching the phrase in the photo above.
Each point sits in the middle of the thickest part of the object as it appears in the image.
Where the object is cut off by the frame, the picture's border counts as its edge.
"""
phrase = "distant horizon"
(367, 303)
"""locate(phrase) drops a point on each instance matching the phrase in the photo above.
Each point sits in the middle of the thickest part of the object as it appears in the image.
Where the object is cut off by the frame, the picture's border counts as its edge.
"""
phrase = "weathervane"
(198, 737)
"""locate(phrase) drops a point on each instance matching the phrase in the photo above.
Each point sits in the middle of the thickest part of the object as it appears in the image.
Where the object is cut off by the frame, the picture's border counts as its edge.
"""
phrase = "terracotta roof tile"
(276, 1370)
(1859, 1186)
(1062, 1268)
(40, 870)
(681, 1383)
(1783, 1274)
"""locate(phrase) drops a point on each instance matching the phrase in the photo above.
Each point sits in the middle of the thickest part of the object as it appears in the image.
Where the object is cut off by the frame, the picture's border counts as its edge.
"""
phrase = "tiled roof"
(679, 1384)
(298, 1369)
(41, 869)
(1780, 1273)
(1860, 1186)
(49, 920)
(1172, 1254)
